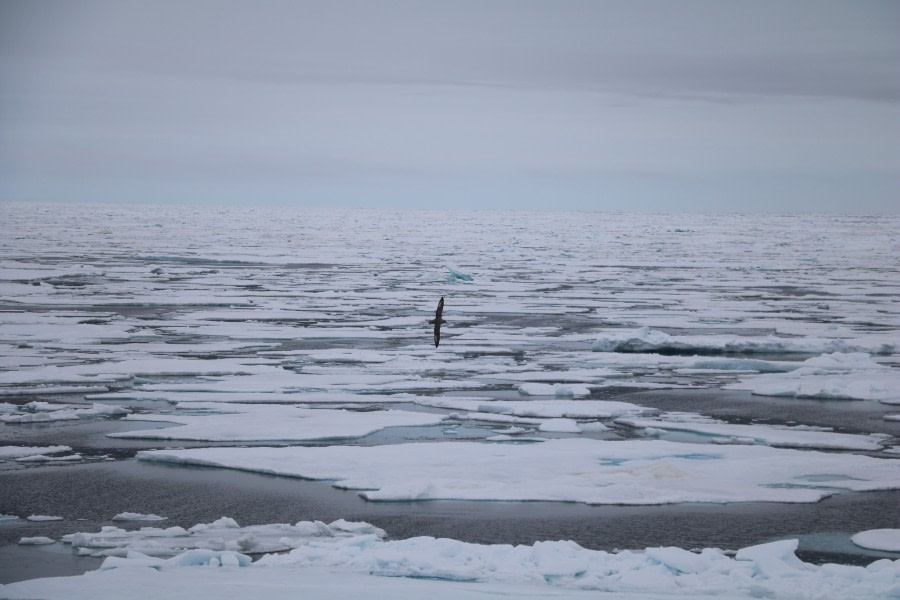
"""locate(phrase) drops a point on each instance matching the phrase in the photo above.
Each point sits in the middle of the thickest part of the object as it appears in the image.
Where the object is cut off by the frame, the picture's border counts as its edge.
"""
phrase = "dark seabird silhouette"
(438, 319)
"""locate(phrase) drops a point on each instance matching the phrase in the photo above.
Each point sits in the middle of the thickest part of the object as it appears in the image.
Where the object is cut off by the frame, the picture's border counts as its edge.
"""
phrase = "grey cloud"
(571, 99)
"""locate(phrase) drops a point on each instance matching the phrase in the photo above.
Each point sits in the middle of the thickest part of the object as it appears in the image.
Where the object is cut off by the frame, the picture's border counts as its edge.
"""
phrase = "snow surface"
(566, 470)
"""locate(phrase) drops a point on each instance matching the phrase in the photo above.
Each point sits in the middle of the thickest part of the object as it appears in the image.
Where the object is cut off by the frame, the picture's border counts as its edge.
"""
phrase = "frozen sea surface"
(600, 359)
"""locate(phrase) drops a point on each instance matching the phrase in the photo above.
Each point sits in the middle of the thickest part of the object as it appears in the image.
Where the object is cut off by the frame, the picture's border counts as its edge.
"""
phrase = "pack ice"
(355, 560)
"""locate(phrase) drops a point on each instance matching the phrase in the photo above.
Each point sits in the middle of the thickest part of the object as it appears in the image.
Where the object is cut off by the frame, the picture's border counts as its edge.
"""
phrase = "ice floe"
(43, 458)
(591, 471)
(456, 274)
(573, 409)
(130, 516)
(43, 412)
(878, 539)
(7, 452)
(561, 390)
(784, 436)
(838, 376)
(115, 371)
(38, 540)
(223, 534)
(646, 339)
(210, 421)
(329, 397)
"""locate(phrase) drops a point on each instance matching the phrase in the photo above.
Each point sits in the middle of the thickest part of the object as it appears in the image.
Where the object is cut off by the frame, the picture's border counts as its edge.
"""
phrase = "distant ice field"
(592, 358)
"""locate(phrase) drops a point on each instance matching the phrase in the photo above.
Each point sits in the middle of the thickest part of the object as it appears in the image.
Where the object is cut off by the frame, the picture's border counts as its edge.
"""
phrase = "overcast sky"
(598, 105)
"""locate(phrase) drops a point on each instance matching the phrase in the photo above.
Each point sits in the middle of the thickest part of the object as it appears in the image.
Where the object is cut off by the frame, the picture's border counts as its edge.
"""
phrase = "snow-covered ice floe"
(784, 436)
(839, 376)
(331, 561)
(43, 458)
(130, 516)
(638, 472)
(330, 397)
(574, 409)
(646, 339)
(7, 452)
(263, 422)
(221, 535)
(878, 539)
(43, 412)
(38, 540)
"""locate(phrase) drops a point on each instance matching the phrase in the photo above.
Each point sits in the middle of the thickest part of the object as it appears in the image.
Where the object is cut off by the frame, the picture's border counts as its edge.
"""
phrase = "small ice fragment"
(36, 541)
(202, 558)
(773, 560)
(457, 275)
(43, 518)
(512, 430)
(35, 458)
(130, 516)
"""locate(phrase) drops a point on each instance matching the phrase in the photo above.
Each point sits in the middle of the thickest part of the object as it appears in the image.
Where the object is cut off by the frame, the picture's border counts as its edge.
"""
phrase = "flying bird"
(438, 319)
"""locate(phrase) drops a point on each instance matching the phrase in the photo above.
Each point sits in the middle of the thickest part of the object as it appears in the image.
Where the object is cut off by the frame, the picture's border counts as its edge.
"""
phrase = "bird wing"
(438, 319)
